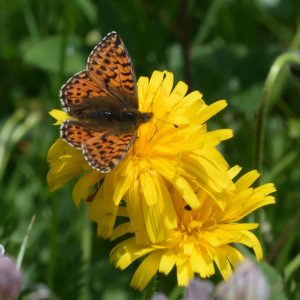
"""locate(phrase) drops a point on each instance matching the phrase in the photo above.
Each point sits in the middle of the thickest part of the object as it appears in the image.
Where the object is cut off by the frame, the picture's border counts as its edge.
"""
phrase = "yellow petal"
(234, 171)
(149, 188)
(177, 94)
(143, 84)
(223, 264)
(202, 264)
(59, 115)
(123, 179)
(187, 192)
(233, 255)
(184, 274)
(102, 211)
(146, 270)
(83, 185)
(250, 240)
(127, 252)
(167, 262)
(212, 110)
(246, 180)
(121, 230)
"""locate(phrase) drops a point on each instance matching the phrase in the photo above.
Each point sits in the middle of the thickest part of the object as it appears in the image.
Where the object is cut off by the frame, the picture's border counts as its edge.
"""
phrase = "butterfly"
(103, 104)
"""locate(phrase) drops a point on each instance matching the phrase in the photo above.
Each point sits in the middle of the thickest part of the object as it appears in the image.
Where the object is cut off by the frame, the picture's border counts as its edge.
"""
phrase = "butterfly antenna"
(164, 76)
(169, 123)
(163, 121)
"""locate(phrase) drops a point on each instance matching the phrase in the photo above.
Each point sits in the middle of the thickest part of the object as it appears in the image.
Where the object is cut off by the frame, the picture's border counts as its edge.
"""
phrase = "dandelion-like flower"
(203, 238)
(174, 149)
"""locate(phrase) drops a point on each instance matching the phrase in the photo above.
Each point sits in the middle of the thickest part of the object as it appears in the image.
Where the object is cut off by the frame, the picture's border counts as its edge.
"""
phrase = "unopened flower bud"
(41, 292)
(159, 296)
(199, 290)
(247, 283)
(2, 250)
(10, 279)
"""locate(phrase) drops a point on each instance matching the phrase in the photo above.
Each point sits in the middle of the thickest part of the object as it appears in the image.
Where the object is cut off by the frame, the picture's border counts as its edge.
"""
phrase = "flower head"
(10, 279)
(174, 149)
(203, 238)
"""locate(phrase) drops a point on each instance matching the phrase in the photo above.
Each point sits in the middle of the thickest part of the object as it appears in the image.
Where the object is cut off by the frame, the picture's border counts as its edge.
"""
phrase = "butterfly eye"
(107, 115)
(130, 116)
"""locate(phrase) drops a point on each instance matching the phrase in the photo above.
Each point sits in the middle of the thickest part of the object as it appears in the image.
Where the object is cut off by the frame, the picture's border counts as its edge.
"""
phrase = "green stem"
(272, 89)
(208, 23)
(282, 32)
(66, 29)
(295, 44)
(284, 236)
(30, 22)
(5, 142)
(12, 132)
(53, 242)
(63, 50)
(292, 267)
(86, 244)
(24, 243)
(271, 92)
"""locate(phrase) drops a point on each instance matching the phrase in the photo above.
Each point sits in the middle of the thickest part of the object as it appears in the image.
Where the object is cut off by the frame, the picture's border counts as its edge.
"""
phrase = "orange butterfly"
(103, 103)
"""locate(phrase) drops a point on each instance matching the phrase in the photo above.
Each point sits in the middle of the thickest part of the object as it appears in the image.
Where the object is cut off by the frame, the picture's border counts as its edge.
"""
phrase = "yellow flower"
(173, 149)
(203, 238)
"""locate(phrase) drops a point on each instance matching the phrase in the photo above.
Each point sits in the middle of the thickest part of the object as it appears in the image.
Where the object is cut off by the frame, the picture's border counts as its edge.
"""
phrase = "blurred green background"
(223, 48)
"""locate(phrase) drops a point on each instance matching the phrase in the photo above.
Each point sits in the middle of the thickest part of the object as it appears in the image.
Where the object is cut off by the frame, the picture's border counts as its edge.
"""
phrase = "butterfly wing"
(106, 149)
(78, 93)
(110, 66)
(102, 149)
(108, 82)
(76, 134)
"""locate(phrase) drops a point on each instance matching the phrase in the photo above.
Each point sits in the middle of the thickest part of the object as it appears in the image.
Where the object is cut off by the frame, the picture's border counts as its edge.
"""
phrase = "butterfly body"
(103, 104)
(120, 120)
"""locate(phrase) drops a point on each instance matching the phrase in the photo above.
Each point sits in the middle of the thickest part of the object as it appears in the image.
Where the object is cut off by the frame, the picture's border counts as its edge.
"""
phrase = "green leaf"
(89, 9)
(275, 282)
(292, 267)
(294, 128)
(247, 101)
(46, 55)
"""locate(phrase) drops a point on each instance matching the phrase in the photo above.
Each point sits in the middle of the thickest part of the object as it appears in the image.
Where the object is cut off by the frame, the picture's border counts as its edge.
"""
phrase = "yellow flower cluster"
(174, 191)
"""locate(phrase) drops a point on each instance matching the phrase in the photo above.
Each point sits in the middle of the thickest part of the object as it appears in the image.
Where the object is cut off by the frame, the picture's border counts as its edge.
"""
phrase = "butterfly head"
(144, 117)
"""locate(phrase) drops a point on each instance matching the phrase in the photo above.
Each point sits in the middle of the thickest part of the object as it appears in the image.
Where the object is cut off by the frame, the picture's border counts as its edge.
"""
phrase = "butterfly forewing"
(80, 88)
(109, 64)
(79, 91)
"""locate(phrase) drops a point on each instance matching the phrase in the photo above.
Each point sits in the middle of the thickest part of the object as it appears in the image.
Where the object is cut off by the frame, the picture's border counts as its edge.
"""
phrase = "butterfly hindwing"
(75, 133)
(105, 150)
(102, 149)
